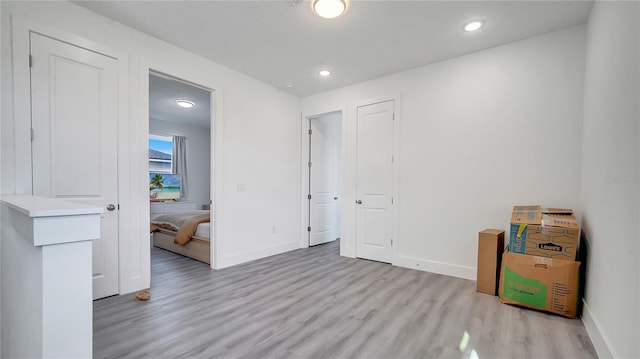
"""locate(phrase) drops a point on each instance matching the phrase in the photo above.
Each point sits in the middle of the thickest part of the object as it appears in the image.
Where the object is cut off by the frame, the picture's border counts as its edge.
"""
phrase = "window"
(160, 150)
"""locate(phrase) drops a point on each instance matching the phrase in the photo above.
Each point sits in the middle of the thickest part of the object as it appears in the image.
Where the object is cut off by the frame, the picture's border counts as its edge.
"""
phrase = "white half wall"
(198, 157)
(610, 203)
(478, 134)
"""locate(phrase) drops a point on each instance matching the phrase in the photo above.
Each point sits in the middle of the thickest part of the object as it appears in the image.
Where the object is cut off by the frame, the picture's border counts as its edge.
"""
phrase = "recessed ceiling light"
(329, 9)
(185, 103)
(324, 73)
(288, 85)
(473, 26)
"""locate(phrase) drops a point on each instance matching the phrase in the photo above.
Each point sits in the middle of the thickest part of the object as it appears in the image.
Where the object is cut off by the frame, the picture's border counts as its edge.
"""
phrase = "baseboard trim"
(258, 254)
(452, 270)
(598, 338)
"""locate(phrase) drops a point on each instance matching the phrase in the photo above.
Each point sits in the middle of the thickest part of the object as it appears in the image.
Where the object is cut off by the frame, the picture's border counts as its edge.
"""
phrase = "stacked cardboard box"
(550, 232)
(539, 269)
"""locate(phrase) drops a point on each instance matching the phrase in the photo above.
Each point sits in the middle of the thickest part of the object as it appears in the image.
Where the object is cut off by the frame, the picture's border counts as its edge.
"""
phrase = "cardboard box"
(545, 232)
(490, 249)
(547, 284)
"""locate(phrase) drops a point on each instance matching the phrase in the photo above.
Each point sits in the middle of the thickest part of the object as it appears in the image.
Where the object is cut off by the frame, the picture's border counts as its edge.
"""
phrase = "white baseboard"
(598, 338)
(452, 270)
(257, 254)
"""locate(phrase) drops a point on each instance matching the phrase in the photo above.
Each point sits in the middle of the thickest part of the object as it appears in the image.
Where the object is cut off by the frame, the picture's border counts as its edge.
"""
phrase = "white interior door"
(374, 181)
(74, 148)
(323, 215)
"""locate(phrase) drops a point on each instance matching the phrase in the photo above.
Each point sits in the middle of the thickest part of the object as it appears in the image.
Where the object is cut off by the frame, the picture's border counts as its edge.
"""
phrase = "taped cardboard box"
(490, 248)
(545, 232)
(547, 284)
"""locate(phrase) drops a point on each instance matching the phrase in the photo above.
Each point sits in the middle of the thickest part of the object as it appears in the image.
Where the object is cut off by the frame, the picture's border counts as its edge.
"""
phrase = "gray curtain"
(179, 162)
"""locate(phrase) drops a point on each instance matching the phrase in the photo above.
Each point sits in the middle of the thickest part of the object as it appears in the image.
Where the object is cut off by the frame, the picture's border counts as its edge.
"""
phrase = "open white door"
(323, 173)
(374, 166)
(74, 140)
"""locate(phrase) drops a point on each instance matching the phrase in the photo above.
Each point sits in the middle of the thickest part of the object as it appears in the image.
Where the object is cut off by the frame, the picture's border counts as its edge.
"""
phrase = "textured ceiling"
(278, 42)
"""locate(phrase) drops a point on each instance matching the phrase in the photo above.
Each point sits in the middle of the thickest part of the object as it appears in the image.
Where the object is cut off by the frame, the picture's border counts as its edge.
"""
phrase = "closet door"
(374, 188)
(74, 146)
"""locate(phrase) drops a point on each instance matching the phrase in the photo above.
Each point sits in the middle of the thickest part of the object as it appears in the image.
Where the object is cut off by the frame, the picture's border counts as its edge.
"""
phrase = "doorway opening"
(180, 166)
(324, 185)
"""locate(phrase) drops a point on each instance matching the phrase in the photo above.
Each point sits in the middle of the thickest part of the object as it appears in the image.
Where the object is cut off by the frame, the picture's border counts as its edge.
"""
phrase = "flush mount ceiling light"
(185, 103)
(329, 9)
(473, 26)
(324, 73)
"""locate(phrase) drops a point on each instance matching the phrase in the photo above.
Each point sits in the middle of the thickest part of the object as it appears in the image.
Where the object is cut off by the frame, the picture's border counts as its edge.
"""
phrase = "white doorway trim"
(332, 118)
(130, 232)
(20, 48)
(198, 79)
(304, 174)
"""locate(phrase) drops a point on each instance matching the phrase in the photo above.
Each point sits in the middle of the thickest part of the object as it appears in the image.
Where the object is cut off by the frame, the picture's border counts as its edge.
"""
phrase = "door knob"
(358, 201)
(111, 207)
(335, 198)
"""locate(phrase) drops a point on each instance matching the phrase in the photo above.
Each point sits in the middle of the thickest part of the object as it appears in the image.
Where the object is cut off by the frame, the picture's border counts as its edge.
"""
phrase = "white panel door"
(323, 182)
(374, 181)
(74, 120)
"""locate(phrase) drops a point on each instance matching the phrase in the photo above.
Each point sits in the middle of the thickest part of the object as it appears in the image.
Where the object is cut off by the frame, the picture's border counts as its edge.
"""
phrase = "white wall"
(198, 157)
(261, 137)
(261, 175)
(479, 134)
(611, 179)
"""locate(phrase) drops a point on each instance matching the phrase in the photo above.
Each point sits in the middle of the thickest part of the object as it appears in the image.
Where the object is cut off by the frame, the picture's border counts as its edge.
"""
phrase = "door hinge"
(308, 229)
(310, 131)
(391, 242)
(391, 200)
(308, 196)
(31, 134)
(394, 117)
(30, 60)
(309, 164)
(392, 158)
(118, 206)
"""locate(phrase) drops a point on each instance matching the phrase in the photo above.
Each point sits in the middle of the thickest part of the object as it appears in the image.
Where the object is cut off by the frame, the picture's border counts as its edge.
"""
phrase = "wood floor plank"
(312, 303)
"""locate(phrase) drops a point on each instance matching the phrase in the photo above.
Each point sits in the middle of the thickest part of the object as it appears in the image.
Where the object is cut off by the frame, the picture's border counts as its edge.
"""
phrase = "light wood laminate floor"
(312, 303)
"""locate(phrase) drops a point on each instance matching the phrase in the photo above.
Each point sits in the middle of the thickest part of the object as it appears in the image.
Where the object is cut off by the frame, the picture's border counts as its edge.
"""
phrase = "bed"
(185, 233)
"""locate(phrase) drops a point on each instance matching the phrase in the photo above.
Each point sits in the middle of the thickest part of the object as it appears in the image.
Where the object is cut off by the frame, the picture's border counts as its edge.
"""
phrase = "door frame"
(196, 78)
(304, 174)
(21, 28)
(348, 170)
(20, 50)
(306, 189)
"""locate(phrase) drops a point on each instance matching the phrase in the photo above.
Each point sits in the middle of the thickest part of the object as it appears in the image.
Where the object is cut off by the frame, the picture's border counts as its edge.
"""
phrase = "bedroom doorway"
(324, 187)
(180, 166)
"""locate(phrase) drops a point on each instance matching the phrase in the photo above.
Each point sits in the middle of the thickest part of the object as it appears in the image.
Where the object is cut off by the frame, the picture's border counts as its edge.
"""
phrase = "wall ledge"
(33, 206)
(48, 221)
